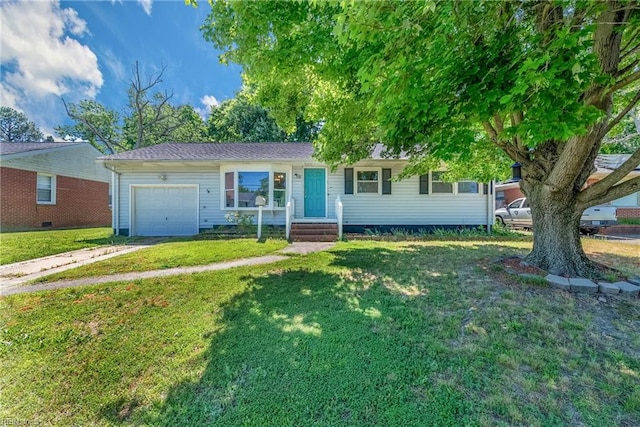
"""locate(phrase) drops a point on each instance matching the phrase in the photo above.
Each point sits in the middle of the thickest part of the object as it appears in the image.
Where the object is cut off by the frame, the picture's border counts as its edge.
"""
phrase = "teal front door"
(315, 193)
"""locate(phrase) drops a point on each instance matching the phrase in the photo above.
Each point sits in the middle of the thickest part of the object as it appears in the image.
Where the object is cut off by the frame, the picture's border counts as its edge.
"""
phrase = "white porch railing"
(290, 213)
(339, 216)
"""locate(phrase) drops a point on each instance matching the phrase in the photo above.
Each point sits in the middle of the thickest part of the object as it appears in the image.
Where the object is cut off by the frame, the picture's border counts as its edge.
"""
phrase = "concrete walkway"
(18, 285)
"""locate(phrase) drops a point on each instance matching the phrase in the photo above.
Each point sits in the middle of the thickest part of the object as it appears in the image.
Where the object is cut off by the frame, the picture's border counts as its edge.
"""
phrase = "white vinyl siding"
(74, 161)
(211, 209)
(404, 206)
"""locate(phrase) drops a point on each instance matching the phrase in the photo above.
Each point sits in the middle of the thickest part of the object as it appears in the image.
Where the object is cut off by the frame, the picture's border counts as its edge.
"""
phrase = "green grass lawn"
(369, 333)
(16, 247)
(173, 254)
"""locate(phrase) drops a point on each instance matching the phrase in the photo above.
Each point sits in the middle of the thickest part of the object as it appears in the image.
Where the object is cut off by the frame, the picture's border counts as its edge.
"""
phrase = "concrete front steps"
(313, 232)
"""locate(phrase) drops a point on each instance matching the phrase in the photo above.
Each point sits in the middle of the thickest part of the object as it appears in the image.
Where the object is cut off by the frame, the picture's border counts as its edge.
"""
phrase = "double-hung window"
(229, 190)
(46, 189)
(438, 185)
(242, 187)
(279, 189)
(367, 181)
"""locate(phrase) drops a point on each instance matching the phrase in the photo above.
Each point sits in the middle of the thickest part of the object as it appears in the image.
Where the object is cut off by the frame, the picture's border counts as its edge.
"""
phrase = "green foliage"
(95, 123)
(238, 120)
(16, 127)
(624, 138)
(421, 77)
(242, 119)
(242, 220)
(629, 221)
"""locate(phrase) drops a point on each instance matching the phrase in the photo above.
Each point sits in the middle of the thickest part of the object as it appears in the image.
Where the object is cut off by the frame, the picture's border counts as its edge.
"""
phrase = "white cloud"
(43, 57)
(114, 64)
(9, 97)
(146, 5)
(208, 101)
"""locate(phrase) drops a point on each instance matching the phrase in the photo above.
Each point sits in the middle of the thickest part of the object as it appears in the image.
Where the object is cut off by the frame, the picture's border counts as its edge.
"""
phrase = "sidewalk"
(61, 262)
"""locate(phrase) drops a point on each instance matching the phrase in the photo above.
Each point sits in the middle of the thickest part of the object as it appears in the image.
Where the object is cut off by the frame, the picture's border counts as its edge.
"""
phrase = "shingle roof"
(231, 151)
(218, 151)
(612, 161)
(24, 147)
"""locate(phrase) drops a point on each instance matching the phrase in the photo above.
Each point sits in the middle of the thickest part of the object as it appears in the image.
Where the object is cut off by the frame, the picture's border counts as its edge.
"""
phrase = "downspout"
(490, 206)
(115, 199)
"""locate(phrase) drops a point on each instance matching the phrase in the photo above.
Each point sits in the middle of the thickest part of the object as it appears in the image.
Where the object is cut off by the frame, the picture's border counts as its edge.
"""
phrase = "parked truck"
(518, 214)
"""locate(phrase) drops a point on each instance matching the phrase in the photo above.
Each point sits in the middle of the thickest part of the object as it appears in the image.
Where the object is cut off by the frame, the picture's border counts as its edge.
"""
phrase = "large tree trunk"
(556, 235)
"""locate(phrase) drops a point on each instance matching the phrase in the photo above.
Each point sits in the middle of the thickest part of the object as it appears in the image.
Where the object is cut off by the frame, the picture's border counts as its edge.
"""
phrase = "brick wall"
(628, 213)
(79, 202)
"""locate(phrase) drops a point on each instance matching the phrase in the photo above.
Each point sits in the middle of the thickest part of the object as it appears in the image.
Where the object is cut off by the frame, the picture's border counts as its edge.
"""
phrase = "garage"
(165, 210)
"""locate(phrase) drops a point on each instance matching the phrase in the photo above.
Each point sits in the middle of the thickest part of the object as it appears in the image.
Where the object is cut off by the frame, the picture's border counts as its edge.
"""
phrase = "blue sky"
(86, 50)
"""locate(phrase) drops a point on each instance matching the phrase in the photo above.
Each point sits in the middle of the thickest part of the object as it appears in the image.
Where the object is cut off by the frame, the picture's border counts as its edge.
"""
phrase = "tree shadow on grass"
(361, 336)
(625, 264)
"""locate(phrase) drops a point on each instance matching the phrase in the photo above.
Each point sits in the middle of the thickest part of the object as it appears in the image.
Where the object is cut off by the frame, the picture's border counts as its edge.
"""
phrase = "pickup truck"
(518, 214)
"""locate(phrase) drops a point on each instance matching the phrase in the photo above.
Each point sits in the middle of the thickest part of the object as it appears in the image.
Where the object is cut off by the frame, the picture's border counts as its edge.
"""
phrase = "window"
(367, 181)
(229, 190)
(279, 189)
(250, 186)
(241, 188)
(438, 185)
(515, 204)
(46, 189)
(468, 187)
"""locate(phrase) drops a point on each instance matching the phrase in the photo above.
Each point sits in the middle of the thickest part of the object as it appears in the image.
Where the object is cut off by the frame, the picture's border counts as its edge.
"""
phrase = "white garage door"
(165, 211)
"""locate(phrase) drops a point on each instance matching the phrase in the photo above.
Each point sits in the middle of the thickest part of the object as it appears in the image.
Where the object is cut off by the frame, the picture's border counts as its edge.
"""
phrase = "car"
(518, 215)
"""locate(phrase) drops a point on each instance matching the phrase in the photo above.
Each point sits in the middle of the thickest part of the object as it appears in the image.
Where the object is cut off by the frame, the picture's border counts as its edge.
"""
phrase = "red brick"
(79, 202)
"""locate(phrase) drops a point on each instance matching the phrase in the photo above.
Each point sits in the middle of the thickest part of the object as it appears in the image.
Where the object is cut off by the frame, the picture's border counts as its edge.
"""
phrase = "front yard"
(369, 333)
(16, 247)
(172, 254)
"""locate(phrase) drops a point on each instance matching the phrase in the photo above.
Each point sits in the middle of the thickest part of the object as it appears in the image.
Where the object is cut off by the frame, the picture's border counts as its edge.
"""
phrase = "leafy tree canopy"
(16, 127)
(464, 82)
(243, 119)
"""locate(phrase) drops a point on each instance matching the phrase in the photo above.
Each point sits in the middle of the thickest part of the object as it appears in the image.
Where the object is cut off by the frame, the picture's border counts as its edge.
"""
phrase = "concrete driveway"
(25, 271)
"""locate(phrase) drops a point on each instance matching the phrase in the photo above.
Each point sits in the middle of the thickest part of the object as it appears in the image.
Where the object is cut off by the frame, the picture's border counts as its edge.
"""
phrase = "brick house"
(627, 207)
(52, 185)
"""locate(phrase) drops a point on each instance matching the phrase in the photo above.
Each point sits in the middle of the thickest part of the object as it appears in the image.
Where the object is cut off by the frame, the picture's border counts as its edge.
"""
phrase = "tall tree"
(152, 118)
(239, 120)
(148, 119)
(543, 81)
(94, 123)
(16, 127)
(243, 119)
(192, 127)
